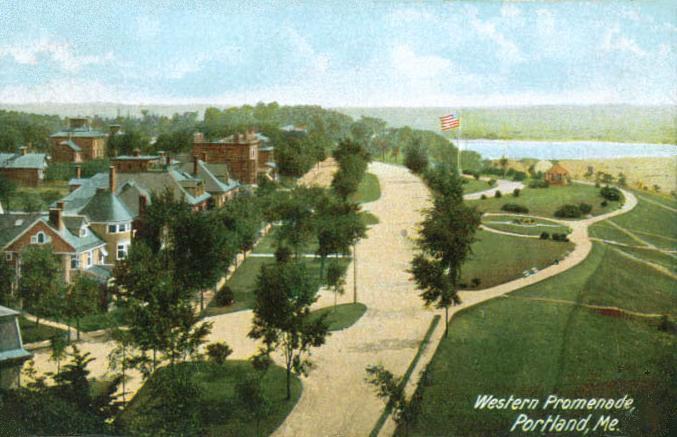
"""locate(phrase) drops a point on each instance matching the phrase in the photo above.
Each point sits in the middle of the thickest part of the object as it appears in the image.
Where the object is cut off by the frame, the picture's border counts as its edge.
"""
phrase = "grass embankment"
(523, 226)
(31, 333)
(501, 258)
(243, 282)
(221, 411)
(343, 316)
(368, 190)
(545, 201)
(531, 348)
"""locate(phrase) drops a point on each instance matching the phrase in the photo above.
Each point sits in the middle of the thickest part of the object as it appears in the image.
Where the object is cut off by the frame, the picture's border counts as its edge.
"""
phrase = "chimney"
(195, 165)
(23, 150)
(78, 172)
(137, 152)
(142, 204)
(204, 157)
(198, 137)
(55, 217)
(112, 179)
(29, 146)
(114, 129)
(61, 205)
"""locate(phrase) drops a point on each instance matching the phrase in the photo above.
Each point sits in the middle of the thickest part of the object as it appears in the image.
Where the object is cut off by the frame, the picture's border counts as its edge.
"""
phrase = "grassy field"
(508, 223)
(663, 259)
(474, 186)
(268, 244)
(243, 283)
(532, 348)
(369, 189)
(545, 201)
(31, 334)
(343, 316)
(220, 409)
(500, 258)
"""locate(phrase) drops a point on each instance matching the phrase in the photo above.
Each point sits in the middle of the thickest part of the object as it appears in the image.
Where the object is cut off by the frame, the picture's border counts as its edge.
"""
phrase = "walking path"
(586, 305)
(646, 199)
(502, 185)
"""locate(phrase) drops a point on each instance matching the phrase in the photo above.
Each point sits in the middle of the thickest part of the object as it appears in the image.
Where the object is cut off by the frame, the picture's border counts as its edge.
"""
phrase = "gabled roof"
(79, 132)
(29, 160)
(105, 207)
(558, 169)
(136, 158)
(213, 183)
(13, 225)
(74, 147)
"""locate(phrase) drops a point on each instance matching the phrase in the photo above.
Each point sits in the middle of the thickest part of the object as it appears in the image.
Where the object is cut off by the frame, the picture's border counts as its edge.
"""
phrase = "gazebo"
(557, 175)
(12, 352)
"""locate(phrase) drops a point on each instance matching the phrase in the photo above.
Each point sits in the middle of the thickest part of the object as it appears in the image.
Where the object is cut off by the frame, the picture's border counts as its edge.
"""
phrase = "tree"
(253, 400)
(41, 284)
(446, 235)
(416, 157)
(336, 280)
(391, 389)
(7, 190)
(297, 215)
(7, 283)
(82, 299)
(219, 352)
(57, 351)
(503, 162)
(284, 294)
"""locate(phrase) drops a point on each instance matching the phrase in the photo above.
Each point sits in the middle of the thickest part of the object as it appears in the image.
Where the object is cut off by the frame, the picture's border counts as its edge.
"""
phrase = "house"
(557, 175)
(240, 152)
(78, 142)
(216, 178)
(136, 162)
(71, 237)
(12, 352)
(24, 168)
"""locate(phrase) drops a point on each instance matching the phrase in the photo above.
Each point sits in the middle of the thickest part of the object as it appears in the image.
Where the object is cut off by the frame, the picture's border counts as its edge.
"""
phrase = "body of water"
(495, 149)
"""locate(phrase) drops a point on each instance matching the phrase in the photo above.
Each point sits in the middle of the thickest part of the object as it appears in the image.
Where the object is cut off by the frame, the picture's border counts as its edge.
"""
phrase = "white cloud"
(508, 51)
(406, 62)
(317, 62)
(614, 40)
(60, 52)
(509, 10)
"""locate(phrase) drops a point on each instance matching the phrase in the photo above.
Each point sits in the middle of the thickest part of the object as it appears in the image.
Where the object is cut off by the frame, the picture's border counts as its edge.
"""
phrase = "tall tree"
(284, 294)
(7, 190)
(41, 285)
(416, 157)
(82, 298)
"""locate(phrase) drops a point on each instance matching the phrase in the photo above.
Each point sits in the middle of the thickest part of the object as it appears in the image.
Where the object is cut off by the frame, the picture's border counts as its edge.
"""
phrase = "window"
(122, 251)
(123, 227)
(75, 262)
(89, 258)
(102, 257)
(39, 238)
(83, 232)
(8, 256)
(112, 229)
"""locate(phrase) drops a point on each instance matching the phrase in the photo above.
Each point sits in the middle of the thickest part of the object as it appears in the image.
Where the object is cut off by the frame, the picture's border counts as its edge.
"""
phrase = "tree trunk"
(446, 322)
(77, 328)
(289, 380)
(321, 267)
(202, 300)
(154, 359)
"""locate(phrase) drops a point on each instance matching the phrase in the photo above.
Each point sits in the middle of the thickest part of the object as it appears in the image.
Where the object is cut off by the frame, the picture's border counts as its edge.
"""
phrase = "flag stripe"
(449, 121)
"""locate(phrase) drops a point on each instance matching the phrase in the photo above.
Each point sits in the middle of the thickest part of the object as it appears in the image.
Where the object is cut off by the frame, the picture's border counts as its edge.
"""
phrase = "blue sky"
(338, 53)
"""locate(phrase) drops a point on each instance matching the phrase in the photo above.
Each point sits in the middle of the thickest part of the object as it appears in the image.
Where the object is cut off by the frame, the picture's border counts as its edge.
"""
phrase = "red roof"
(558, 169)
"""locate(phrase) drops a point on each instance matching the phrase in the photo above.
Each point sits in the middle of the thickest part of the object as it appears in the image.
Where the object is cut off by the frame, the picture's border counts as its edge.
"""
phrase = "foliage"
(41, 285)
(514, 207)
(83, 298)
(253, 399)
(224, 296)
(391, 389)
(516, 192)
(7, 281)
(539, 183)
(219, 352)
(585, 208)
(126, 143)
(568, 211)
(497, 194)
(336, 280)
(610, 193)
(282, 321)
(7, 190)
(415, 157)
(544, 236)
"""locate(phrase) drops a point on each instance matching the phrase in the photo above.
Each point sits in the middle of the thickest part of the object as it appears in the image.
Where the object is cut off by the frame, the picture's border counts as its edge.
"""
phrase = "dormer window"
(39, 238)
(83, 232)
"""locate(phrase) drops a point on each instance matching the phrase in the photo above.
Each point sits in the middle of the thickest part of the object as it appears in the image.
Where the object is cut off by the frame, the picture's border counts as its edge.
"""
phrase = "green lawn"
(545, 201)
(369, 189)
(368, 218)
(243, 283)
(666, 260)
(501, 258)
(519, 225)
(532, 349)
(474, 186)
(220, 410)
(343, 316)
(268, 244)
(31, 334)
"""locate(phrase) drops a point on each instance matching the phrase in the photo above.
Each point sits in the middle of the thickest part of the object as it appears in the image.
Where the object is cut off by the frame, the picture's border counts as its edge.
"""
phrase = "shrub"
(476, 175)
(498, 194)
(224, 296)
(483, 197)
(283, 254)
(516, 192)
(545, 236)
(539, 183)
(604, 204)
(585, 208)
(514, 207)
(475, 282)
(610, 193)
(568, 211)
(218, 352)
(560, 237)
(519, 176)
(491, 182)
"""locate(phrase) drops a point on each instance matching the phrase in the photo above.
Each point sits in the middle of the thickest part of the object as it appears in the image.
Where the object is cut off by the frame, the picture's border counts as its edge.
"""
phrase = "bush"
(560, 237)
(539, 183)
(491, 182)
(604, 204)
(498, 194)
(218, 352)
(585, 208)
(483, 197)
(516, 192)
(224, 296)
(568, 211)
(514, 207)
(519, 176)
(475, 282)
(545, 236)
(283, 254)
(610, 193)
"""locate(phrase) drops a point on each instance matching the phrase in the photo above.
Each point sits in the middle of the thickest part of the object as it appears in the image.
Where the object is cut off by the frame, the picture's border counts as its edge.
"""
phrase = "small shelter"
(557, 175)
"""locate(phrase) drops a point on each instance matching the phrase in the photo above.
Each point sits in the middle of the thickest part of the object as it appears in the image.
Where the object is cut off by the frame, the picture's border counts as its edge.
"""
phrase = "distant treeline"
(295, 151)
(618, 123)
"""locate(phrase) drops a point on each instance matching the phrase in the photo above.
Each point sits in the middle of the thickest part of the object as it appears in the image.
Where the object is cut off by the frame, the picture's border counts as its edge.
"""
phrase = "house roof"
(4, 312)
(136, 158)
(101, 273)
(12, 225)
(79, 132)
(558, 169)
(105, 206)
(208, 173)
(29, 160)
(71, 144)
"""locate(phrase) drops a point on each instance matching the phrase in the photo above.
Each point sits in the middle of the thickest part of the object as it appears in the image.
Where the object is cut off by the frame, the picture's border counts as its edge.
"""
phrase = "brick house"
(23, 168)
(78, 142)
(12, 352)
(240, 152)
(217, 181)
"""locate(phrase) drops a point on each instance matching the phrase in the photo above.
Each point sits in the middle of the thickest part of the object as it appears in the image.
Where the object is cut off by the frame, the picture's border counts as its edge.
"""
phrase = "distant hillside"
(620, 123)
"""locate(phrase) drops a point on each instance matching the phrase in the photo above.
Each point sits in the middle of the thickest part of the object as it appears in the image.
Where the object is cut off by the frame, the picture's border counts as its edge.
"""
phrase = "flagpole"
(458, 144)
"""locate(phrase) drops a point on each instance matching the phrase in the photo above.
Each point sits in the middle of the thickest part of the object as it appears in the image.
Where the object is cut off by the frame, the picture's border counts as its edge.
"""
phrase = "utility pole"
(354, 273)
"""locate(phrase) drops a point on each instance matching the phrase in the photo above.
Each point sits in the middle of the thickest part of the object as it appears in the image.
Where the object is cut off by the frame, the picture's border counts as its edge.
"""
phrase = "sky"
(338, 53)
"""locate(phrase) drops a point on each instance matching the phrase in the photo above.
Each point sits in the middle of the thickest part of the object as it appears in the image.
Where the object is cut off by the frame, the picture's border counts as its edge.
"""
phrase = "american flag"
(449, 121)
